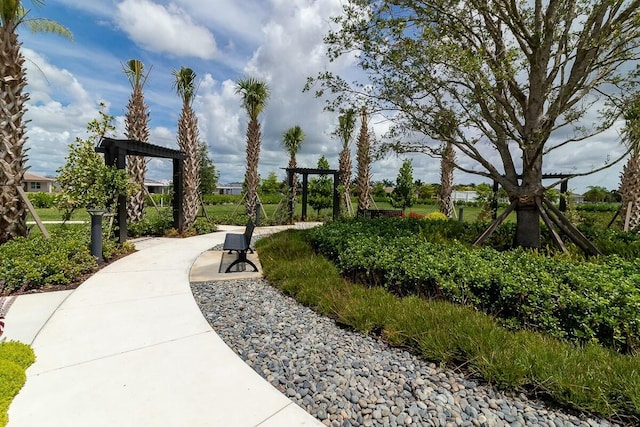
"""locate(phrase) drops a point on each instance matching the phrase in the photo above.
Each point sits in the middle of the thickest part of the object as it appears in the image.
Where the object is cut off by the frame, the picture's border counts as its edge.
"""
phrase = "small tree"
(85, 181)
(321, 189)
(208, 174)
(404, 194)
(270, 185)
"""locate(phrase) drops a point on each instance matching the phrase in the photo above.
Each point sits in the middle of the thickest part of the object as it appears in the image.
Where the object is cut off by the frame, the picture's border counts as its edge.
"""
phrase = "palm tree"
(136, 128)
(346, 128)
(630, 181)
(13, 210)
(291, 140)
(364, 165)
(188, 137)
(255, 94)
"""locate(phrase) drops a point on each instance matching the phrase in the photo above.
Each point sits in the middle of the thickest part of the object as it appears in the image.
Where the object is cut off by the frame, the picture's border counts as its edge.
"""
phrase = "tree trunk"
(630, 191)
(447, 166)
(251, 175)
(527, 225)
(13, 210)
(530, 189)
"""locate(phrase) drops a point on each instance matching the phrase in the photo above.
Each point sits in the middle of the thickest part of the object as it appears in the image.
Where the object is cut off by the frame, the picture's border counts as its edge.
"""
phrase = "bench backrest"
(248, 231)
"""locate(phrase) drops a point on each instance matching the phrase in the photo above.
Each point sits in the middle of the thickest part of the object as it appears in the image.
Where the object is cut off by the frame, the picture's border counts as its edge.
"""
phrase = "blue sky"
(279, 41)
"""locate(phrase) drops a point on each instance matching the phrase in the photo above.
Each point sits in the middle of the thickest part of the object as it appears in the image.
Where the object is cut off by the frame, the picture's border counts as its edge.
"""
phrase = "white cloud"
(165, 29)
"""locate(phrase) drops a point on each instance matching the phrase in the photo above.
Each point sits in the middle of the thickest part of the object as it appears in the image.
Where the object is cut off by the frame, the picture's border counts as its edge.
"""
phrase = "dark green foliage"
(321, 189)
(207, 172)
(39, 261)
(404, 194)
(585, 378)
(42, 200)
(156, 224)
(566, 298)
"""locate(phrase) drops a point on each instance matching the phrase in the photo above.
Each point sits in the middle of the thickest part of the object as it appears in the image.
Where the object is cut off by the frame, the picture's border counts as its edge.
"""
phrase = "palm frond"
(255, 94)
(184, 84)
(44, 25)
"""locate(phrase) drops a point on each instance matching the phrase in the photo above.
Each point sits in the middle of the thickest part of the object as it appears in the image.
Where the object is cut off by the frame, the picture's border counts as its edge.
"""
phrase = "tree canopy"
(517, 81)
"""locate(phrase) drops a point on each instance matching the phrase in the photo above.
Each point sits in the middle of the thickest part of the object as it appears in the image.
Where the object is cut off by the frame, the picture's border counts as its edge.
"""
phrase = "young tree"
(208, 174)
(13, 210)
(188, 140)
(345, 132)
(364, 165)
(255, 94)
(404, 194)
(270, 185)
(512, 74)
(321, 189)
(291, 140)
(136, 122)
(85, 181)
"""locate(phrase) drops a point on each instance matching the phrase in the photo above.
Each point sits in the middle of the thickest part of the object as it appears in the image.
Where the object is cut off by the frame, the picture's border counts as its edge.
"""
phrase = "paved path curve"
(130, 347)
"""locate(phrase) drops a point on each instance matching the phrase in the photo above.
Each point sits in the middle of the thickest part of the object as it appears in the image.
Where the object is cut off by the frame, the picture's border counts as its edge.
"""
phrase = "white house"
(33, 183)
(232, 189)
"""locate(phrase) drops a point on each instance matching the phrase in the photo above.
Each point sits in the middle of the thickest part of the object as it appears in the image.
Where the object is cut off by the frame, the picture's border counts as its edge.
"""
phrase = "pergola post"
(115, 154)
(178, 194)
(305, 192)
(336, 196)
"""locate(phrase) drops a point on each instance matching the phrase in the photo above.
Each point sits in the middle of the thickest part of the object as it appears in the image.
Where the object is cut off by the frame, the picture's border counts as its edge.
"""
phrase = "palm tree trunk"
(188, 141)
(251, 175)
(630, 191)
(345, 178)
(446, 180)
(364, 166)
(136, 122)
(13, 211)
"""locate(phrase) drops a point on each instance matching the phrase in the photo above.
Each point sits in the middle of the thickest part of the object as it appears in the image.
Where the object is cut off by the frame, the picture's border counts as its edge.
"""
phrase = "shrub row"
(39, 261)
(585, 378)
(571, 299)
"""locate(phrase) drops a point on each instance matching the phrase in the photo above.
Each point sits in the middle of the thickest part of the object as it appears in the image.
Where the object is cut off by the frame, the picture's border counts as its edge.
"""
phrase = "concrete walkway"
(130, 347)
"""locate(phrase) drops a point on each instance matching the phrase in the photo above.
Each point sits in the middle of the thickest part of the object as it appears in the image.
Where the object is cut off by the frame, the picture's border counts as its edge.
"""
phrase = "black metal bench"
(241, 243)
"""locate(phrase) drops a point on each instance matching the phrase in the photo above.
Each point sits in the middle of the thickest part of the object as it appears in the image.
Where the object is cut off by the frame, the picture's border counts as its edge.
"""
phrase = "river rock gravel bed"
(345, 378)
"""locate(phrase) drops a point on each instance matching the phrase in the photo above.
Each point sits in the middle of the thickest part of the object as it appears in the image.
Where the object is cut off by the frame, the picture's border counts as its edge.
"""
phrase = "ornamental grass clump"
(585, 377)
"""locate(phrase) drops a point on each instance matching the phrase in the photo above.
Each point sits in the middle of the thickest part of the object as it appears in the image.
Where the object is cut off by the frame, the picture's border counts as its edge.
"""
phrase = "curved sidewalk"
(130, 347)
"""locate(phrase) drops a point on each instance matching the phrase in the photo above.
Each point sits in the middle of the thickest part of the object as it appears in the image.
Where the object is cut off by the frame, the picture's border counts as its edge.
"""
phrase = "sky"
(277, 41)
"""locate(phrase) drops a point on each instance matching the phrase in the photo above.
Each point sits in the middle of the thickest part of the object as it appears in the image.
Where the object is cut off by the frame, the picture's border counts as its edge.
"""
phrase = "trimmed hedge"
(39, 261)
(568, 298)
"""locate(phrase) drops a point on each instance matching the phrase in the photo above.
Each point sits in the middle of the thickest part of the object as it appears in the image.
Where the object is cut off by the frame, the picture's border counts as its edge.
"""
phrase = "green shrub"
(15, 358)
(152, 224)
(39, 261)
(584, 378)
(567, 298)
(42, 200)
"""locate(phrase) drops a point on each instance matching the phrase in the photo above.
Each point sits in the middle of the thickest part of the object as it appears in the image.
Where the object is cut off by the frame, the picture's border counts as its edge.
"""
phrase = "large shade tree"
(292, 140)
(522, 80)
(13, 210)
(188, 141)
(136, 122)
(255, 94)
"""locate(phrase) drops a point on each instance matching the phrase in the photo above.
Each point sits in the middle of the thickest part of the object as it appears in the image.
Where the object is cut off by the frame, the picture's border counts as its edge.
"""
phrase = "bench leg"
(242, 257)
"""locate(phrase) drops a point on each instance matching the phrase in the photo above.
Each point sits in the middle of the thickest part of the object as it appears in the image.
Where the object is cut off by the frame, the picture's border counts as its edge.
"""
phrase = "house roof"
(33, 177)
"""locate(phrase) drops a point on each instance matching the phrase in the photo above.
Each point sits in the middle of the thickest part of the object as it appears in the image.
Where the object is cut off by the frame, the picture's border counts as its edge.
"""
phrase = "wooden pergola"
(305, 172)
(115, 154)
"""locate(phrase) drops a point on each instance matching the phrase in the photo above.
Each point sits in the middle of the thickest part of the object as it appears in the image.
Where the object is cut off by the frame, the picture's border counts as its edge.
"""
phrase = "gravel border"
(345, 378)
